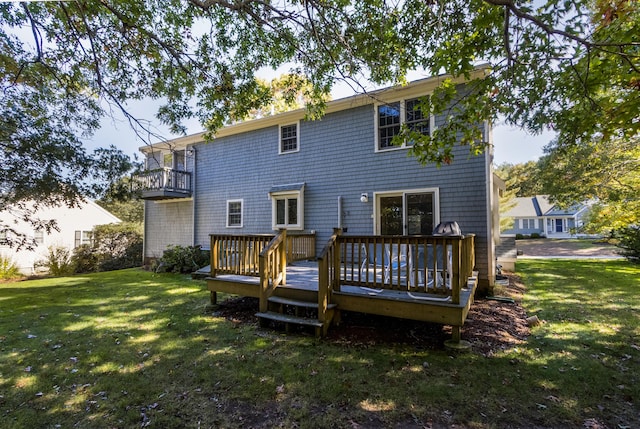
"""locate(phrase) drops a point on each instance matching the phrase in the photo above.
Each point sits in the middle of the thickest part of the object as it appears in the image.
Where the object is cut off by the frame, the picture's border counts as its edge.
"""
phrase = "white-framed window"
(289, 138)
(287, 207)
(234, 213)
(83, 237)
(38, 236)
(4, 236)
(391, 116)
(388, 124)
(528, 224)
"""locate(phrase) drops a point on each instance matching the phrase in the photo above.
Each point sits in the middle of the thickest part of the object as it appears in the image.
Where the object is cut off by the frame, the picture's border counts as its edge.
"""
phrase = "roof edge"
(356, 100)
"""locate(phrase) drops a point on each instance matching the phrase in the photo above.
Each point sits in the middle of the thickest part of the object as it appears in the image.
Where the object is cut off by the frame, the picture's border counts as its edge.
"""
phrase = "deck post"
(456, 342)
(456, 274)
(264, 285)
(282, 254)
(215, 255)
(334, 278)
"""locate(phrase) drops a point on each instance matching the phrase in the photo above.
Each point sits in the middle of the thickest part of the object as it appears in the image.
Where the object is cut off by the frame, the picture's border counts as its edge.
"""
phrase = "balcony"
(162, 184)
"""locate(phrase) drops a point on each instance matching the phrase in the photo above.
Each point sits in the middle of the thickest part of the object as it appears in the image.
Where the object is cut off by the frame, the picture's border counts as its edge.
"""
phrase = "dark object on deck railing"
(447, 228)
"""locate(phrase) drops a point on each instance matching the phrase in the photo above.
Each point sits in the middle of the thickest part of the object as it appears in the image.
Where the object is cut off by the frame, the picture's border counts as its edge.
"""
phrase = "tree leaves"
(573, 66)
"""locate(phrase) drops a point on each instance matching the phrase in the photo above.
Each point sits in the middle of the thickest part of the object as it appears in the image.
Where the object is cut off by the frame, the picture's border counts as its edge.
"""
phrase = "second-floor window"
(391, 116)
(289, 138)
(38, 236)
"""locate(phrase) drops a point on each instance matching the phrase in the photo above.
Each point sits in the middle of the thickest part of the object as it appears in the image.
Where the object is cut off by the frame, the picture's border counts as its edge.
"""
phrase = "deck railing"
(162, 179)
(432, 264)
(328, 274)
(239, 254)
(273, 267)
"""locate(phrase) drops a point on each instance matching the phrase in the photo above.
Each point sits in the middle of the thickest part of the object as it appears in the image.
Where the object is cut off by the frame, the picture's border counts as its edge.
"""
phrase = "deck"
(341, 279)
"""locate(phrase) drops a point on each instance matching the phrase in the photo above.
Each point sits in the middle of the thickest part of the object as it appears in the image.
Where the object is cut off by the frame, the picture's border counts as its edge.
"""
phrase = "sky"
(515, 146)
(511, 145)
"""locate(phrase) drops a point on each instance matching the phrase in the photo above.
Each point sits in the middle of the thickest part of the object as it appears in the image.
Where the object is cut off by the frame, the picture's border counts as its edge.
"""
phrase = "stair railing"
(273, 267)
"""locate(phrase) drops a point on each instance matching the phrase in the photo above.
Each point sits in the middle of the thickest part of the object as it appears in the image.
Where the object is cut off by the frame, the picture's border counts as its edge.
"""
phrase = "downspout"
(491, 257)
(144, 232)
(193, 196)
(340, 212)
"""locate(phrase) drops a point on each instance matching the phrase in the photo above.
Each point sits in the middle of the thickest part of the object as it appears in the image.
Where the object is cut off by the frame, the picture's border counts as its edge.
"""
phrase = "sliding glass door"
(406, 212)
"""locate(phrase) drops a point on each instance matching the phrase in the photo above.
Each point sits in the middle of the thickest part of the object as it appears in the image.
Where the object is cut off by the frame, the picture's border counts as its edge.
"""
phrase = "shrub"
(58, 261)
(85, 259)
(118, 246)
(519, 237)
(535, 235)
(181, 259)
(629, 241)
(8, 268)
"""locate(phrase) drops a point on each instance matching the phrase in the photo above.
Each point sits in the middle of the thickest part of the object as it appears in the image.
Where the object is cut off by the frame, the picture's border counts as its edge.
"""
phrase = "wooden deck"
(339, 280)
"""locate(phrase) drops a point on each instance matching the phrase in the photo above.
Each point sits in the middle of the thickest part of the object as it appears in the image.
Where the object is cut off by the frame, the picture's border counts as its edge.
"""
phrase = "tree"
(602, 171)
(287, 92)
(570, 65)
(120, 201)
(523, 179)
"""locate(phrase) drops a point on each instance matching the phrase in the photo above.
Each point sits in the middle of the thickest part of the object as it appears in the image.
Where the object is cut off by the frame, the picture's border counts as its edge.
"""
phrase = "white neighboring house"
(536, 215)
(74, 224)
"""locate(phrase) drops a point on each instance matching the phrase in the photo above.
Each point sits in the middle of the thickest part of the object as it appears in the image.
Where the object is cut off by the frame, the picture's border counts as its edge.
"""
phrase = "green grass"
(135, 349)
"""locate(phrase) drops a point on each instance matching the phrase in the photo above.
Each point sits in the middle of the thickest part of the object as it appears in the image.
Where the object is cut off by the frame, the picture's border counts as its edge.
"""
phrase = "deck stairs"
(294, 312)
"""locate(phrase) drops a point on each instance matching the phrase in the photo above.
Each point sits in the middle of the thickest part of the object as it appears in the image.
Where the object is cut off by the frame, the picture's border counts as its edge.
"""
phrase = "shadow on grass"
(135, 349)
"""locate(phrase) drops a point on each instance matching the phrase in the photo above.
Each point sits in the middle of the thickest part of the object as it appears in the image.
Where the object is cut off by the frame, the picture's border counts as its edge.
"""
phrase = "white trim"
(238, 200)
(403, 193)
(299, 196)
(297, 125)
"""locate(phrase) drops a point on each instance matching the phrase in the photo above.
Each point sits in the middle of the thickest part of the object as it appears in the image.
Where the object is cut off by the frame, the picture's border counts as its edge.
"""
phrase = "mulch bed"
(491, 325)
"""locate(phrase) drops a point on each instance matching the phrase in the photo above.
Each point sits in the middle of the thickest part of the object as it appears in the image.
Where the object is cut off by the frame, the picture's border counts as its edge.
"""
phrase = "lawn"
(132, 349)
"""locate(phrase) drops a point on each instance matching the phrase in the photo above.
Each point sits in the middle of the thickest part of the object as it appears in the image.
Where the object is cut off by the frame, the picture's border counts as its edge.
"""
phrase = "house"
(537, 215)
(75, 225)
(339, 173)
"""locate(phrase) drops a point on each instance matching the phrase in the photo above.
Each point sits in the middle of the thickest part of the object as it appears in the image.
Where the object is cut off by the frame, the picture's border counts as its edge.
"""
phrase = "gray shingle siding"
(167, 224)
(337, 158)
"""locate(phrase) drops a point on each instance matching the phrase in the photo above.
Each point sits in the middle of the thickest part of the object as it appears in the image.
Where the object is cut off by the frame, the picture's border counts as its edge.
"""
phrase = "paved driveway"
(552, 248)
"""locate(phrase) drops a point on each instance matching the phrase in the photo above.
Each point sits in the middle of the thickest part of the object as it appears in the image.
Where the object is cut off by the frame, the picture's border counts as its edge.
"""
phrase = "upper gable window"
(289, 141)
(4, 238)
(391, 116)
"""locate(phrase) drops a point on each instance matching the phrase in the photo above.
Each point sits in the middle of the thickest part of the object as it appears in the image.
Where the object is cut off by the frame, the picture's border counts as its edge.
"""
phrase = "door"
(406, 213)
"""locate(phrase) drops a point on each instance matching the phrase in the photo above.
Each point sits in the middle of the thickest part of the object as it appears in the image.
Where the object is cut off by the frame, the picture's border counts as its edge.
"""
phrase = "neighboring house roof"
(538, 206)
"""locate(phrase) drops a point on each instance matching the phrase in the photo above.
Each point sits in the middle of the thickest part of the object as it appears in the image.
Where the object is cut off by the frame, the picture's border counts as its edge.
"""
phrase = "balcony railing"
(163, 183)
